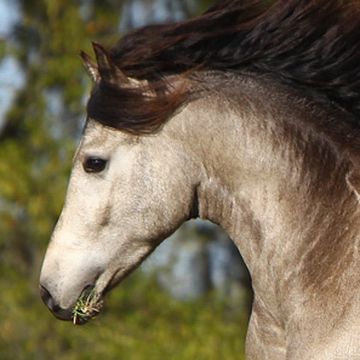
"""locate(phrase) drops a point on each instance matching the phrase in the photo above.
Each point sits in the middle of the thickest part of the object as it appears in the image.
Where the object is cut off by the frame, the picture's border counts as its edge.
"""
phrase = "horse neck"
(275, 185)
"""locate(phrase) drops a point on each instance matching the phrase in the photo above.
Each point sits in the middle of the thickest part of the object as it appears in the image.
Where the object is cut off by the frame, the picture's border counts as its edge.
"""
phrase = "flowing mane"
(312, 46)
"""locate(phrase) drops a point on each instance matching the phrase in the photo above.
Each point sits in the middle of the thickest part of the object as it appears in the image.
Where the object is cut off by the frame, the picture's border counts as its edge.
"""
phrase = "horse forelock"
(311, 46)
(134, 110)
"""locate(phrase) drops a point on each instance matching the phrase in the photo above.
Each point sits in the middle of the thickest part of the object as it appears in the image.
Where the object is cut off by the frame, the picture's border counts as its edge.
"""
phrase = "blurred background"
(191, 298)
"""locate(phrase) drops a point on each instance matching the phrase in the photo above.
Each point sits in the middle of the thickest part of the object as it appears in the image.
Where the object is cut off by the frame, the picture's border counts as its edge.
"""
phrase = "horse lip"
(113, 282)
(106, 282)
(81, 321)
(117, 277)
(63, 314)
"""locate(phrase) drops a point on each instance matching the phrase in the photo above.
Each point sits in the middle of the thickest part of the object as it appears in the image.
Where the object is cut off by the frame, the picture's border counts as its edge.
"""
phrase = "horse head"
(126, 194)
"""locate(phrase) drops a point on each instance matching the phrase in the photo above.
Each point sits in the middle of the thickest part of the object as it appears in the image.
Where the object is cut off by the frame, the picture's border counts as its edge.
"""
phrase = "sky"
(11, 75)
(9, 14)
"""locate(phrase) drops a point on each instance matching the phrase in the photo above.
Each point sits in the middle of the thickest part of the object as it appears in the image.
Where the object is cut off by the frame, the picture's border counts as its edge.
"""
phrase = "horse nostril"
(44, 293)
(63, 314)
(48, 299)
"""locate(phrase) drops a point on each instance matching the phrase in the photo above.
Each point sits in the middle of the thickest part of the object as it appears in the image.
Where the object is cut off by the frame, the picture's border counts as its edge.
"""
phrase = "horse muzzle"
(53, 306)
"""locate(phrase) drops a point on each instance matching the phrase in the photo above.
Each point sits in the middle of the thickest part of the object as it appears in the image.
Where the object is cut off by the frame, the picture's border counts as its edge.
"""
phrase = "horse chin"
(109, 281)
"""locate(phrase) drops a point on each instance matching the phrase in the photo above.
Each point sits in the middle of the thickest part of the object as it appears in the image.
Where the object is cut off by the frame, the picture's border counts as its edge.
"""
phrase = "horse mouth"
(88, 306)
(91, 301)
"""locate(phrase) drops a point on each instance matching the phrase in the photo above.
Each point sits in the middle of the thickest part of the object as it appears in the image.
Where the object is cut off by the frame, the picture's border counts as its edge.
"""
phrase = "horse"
(249, 116)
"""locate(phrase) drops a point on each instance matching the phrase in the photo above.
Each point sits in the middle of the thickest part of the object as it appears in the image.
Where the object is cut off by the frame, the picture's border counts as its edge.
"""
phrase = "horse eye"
(94, 165)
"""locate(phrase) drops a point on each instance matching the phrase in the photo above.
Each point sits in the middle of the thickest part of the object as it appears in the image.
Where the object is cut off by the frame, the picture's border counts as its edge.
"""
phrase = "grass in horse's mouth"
(87, 307)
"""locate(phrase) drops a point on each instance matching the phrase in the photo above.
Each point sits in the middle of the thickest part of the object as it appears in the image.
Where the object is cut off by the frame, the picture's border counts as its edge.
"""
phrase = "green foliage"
(139, 322)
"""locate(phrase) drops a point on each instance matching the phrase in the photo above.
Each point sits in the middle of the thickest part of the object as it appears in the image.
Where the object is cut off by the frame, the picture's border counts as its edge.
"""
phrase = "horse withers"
(247, 116)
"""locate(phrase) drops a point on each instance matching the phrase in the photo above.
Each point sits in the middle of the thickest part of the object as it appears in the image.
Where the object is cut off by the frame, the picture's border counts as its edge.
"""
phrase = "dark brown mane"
(310, 45)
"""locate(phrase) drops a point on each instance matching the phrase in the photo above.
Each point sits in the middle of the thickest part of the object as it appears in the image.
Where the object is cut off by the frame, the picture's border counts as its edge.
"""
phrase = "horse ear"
(90, 67)
(107, 69)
